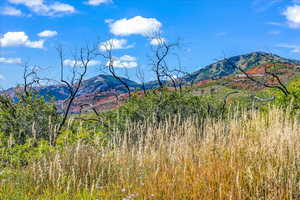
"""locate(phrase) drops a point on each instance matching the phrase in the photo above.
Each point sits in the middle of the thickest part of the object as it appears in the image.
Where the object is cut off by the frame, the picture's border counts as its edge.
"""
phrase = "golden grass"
(250, 156)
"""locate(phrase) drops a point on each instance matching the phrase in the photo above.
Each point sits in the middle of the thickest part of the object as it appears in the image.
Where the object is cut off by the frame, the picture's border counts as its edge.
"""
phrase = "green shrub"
(26, 127)
(158, 107)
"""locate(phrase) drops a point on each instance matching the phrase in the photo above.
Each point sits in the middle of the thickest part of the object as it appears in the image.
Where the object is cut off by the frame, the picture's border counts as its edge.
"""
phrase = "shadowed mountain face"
(98, 84)
(223, 68)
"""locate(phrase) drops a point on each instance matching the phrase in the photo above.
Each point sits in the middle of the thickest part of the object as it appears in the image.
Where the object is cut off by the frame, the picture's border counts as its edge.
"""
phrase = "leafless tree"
(141, 77)
(31, 78)
(280, 85)
(159, 61)
(182, 75)
(110, 63)
(79, 70)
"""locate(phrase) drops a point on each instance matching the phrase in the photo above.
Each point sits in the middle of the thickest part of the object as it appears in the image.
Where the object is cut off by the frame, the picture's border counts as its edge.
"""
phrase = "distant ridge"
(97, 84)
(105, 87)
(223, 68)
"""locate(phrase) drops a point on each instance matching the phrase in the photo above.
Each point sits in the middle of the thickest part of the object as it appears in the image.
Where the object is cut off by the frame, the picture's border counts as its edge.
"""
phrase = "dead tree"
(264, 99)
(141, 76)
(79, 71)
(159, 60)
(110, 63)
(281, 87)
(31, 79)
(181, 74)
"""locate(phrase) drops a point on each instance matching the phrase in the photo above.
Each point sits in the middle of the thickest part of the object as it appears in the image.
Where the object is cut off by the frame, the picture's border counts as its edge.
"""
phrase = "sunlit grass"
(250, 156)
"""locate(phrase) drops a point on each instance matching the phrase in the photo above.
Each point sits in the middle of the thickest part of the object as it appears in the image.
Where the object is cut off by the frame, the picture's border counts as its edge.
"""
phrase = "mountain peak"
(246, 61)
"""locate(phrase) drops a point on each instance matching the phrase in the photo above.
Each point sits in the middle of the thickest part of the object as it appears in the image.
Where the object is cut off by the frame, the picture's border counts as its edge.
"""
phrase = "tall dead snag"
(281, 87)
(159, 62)
(79, 70)
(111, 62)
(141, 76)
(29, 78)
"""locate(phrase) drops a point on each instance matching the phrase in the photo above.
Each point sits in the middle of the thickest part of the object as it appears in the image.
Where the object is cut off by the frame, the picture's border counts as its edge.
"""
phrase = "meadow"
(247, 155)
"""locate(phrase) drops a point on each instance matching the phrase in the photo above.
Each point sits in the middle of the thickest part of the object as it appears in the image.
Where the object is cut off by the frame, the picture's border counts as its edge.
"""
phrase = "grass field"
(251, 156)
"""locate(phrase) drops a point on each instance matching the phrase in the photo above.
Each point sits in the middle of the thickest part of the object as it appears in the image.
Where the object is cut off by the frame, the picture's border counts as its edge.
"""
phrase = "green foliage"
(159, 106)
(26, 128)
(292, 101)
(29, 117)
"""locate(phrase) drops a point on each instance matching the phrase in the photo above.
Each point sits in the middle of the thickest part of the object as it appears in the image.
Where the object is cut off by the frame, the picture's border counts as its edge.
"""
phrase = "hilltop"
(248, 61)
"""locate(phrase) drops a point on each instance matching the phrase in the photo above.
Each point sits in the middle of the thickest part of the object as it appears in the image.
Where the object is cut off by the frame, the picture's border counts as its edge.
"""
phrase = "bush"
(158, 107)
(26, 124)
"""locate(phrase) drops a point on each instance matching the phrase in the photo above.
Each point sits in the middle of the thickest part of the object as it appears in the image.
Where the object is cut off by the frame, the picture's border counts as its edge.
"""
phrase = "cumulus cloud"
(293, 48)
(47, 33)
(292, 14)
(73, 63)
(157, 41)
(15, 39)
(125, 61)
(97, 2)
(135, 26)
(115, 44)
(10, 60)
(11, 11)
(40, 8)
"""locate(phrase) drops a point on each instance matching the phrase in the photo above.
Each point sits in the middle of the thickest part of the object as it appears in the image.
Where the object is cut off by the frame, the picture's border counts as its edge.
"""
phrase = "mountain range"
(106, 87)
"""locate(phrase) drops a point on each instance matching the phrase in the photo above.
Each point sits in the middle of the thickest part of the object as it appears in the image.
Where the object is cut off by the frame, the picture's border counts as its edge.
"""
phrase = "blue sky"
(207, 30)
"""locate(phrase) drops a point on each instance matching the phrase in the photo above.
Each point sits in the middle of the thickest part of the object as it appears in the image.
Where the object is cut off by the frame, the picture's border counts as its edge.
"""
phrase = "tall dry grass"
(250, 156)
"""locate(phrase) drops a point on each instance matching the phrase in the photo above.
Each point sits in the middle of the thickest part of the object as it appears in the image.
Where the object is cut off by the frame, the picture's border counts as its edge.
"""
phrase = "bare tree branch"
(280, 87)
(110, 64)
(81, 63)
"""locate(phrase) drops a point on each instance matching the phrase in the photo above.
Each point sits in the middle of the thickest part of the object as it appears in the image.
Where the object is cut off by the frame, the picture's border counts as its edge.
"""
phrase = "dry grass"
(250, 156)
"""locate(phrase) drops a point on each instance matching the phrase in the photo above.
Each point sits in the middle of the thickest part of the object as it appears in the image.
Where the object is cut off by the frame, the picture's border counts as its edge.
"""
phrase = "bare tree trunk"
(85, 56)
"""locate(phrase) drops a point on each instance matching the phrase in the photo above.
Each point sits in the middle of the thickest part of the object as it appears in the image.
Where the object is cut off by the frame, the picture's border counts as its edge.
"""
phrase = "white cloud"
(58, 7)
(157, 41)
(72, 63)
(292, 14)
(135, 26)
(125, 61)
(15, 39)
(293, 48)
(27, 2)
(11, 11)
(97, 2)
(115, 44)
(47, 33)
(128, 58)
(2, 77)
(35, 44)
(40, 8)
(10, 60)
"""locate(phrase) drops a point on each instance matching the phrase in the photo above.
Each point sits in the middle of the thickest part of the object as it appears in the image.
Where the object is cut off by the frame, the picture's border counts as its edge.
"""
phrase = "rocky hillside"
(223, 68)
